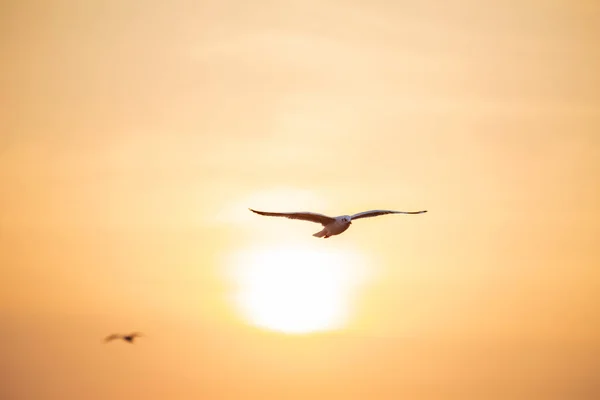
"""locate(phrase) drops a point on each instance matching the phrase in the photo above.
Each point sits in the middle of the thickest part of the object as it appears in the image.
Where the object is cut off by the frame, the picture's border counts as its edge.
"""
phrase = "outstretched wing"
(305, 216)
(112, 337)
(136, 334)
(375, 213)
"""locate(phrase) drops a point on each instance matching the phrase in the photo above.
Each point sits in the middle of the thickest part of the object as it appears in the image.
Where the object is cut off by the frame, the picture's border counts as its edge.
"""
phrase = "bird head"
(346, 219)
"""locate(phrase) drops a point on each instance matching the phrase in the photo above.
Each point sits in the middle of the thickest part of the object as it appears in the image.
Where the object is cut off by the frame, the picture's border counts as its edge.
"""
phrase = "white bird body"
(333, 225)
(336, 227)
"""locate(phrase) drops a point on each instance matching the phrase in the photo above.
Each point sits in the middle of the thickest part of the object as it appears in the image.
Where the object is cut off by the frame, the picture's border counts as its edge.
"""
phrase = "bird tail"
(321, 233)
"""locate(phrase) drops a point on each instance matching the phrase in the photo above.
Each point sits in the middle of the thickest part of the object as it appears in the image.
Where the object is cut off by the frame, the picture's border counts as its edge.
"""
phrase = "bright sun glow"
(296, 290)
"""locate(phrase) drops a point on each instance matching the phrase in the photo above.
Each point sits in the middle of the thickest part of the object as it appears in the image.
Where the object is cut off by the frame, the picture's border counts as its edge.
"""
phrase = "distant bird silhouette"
(128, 338)
(333, 225)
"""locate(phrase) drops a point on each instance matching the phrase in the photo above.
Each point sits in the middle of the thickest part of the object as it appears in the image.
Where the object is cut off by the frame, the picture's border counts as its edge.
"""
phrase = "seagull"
(128, 338)
(333, 225)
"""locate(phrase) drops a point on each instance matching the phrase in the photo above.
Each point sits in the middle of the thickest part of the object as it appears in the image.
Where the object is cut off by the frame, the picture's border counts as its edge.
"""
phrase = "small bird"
(128, 338)
(333, 225)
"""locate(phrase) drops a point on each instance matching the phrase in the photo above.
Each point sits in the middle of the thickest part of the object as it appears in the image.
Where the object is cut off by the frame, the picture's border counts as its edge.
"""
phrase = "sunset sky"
(135, 135)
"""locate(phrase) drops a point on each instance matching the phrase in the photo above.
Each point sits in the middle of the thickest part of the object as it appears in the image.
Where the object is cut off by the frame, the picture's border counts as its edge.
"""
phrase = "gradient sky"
(135, 134)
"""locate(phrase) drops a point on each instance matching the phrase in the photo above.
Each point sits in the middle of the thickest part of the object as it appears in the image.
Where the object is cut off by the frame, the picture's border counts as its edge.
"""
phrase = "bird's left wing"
(375, 213)
(112, 337)
(305, 216)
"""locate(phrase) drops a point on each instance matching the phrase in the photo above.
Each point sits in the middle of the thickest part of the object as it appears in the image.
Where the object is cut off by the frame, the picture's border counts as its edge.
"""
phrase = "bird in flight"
(333, 225)
(128, 338)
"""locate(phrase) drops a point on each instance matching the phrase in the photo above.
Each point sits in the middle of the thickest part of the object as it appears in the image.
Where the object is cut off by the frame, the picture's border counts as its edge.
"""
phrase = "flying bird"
(333, 225)
(128, 338)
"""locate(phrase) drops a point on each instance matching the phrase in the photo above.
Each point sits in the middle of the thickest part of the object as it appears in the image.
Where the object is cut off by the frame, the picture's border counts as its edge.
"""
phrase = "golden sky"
(135, 134)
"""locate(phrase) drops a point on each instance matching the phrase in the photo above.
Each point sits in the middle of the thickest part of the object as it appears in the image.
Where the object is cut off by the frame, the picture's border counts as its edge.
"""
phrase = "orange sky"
(135, 134)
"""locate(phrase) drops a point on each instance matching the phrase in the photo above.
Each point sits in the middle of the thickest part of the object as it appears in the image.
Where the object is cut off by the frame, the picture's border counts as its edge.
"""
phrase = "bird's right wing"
(305, 216)
(375, 213)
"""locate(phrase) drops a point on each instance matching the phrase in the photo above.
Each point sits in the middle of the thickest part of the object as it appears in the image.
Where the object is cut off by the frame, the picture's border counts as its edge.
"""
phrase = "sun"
(296, 290)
